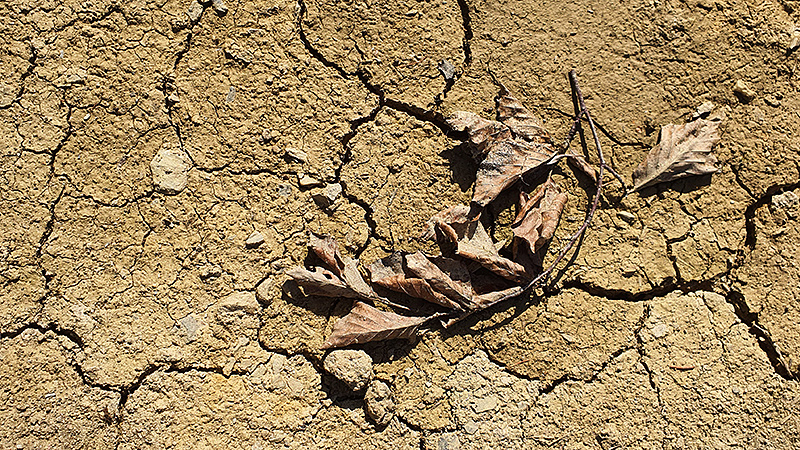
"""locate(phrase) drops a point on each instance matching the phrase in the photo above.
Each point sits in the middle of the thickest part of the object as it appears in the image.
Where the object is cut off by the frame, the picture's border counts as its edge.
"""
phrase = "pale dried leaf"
(365, 324)
(472, 242)
(447, 276)
(505, 163)
(682, 151)
(321, 282)
(388, 272)
(482, 132)
(538, 218)
(522, 122)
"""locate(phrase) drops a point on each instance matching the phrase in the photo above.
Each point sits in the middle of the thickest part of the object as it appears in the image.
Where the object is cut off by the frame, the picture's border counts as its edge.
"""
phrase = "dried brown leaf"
(522, 122)
(327, 250)
(482, 132)
(365, 324)
(344, 278)
(446, 276)
(321, 282)
(579, 162)
(682, 151)
(388, 272)
(512, 147)
(505, 163)
(472, 242)
(538, 218)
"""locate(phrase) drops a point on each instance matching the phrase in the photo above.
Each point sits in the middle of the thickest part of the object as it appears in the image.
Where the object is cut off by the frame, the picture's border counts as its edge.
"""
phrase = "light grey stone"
(378, 402)
(352, 367)
(170, 168)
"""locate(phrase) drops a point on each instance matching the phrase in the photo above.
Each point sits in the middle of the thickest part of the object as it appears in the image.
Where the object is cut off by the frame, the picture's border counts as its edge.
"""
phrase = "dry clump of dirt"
(140, 319)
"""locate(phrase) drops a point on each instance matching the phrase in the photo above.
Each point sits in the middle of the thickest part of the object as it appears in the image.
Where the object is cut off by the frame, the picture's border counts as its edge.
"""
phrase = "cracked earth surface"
(134, 316)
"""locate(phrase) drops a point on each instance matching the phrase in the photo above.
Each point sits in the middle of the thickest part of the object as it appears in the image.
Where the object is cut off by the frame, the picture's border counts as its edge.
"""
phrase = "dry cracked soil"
(164, 161)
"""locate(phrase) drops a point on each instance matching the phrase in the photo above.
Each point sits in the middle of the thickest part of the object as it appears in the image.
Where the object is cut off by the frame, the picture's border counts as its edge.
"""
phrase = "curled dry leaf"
(508, 155)
(473, 242)
(343, 280)
(682, 151)
(522, 122)
(482, 132)
(538, 217)
(365, 323)
(447, 276)
(388, 272)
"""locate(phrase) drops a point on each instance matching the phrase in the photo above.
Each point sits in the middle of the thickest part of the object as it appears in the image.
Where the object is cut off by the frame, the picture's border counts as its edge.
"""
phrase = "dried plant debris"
(505, 150)
(472, 242)
(343, 280)
(682, 151)
(474, 275)
(365, 323)
(538, 217)
(389, 273)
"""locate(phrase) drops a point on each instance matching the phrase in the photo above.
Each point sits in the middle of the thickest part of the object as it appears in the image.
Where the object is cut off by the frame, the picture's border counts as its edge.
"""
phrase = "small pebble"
(787, 200)
(447, 69)
(771, 100)
(262, 292)
(704, 110)
(170, 170)
(297, 154)
(743, 91)
(328, 195)
(219, 7)
(378, 403)
(254, 240)
(284, 190)
(194, 12)
(626, 216)
(306, 181)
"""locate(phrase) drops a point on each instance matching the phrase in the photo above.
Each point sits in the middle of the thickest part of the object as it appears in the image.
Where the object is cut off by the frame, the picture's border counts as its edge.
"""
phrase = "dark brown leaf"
(538, 218)
(505, 163)
(522, 122)
(472, 242)
(388, 272)
(447, 276)
(682, 151)
(482, 132)
(512, 147)
(365, 324)
(321, 282)
(344, 279)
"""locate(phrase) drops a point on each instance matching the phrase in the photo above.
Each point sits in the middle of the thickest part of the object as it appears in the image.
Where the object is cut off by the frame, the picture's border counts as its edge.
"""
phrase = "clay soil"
(136, 317)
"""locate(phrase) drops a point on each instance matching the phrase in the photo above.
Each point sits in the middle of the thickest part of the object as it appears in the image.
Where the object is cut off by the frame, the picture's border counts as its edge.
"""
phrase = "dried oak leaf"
(473, 242)
(682, 151)
(538, 218)
(388, 272)
(508, 155)
(365, 324)
(343, 280)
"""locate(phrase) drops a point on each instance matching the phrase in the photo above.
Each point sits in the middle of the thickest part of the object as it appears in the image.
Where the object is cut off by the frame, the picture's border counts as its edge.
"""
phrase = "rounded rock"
(378, 403)
(352, 367)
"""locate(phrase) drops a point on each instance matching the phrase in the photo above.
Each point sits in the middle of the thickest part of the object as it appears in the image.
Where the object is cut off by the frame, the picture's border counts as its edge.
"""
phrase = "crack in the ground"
(761, 335)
